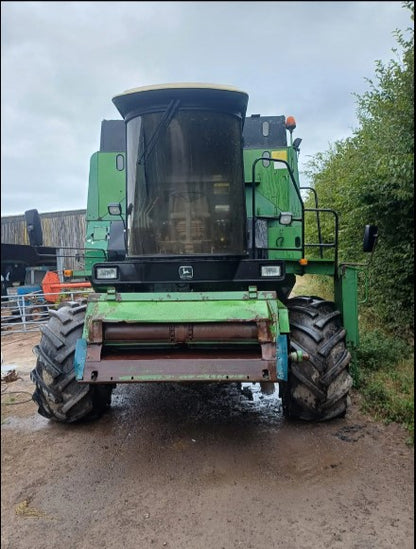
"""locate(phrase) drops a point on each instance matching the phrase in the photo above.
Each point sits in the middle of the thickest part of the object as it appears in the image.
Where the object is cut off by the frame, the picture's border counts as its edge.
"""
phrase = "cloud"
(62, 62)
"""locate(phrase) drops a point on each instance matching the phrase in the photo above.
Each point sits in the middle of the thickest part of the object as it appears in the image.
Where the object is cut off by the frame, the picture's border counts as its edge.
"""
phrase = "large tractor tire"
(317, 389)
(59, 396)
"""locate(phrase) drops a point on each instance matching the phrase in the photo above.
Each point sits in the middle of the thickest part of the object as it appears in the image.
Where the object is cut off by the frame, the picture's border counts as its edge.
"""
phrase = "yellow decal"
(279, 155)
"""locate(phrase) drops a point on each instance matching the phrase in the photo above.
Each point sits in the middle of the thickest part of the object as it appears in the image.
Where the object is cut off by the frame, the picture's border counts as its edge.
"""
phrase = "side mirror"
(296, 144)
(370, 238)
(34, 227)
(114, 208)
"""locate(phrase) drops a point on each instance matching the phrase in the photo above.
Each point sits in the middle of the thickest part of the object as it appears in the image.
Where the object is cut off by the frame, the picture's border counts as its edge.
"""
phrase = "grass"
(384, 372)
(314, 285)
(388, 396)
(384, 376)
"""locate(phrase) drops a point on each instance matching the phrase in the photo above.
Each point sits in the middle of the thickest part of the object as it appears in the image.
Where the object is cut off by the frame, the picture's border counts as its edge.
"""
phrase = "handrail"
(318, 223)
(320, 245)
(330, 245)
(253, 200)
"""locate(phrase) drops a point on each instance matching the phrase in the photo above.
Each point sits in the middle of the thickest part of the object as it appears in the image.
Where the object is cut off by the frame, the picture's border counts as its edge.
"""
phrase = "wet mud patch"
(195, 403)
(351, 433)
(212, 466)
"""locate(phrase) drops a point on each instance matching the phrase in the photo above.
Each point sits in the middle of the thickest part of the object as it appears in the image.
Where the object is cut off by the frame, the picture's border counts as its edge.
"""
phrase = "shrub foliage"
(368, 179)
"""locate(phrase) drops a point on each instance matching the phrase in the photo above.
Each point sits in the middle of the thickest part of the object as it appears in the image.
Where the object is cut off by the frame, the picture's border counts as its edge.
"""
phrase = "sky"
(63, 62)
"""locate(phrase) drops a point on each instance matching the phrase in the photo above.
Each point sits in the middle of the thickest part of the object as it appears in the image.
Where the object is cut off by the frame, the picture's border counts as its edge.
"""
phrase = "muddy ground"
(187, 468)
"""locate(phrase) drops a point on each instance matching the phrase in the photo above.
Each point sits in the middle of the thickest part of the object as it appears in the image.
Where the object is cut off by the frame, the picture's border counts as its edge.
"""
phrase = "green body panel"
(272, 182)
(106, 185)
(189, 307)
(346, 299)
(275, 193)
(314, 266)
(281, 237)
(96, 242)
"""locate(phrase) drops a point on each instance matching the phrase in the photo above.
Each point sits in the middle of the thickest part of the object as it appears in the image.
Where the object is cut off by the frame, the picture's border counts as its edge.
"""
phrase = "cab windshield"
(185, 190)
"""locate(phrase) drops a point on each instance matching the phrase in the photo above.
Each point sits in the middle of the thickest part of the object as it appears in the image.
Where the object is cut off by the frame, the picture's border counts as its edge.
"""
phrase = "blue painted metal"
(80, 357)
(282, 357)
(23, 290)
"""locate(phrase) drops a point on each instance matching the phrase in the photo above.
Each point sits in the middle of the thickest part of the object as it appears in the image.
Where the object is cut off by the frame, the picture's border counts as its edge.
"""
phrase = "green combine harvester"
(195, 237)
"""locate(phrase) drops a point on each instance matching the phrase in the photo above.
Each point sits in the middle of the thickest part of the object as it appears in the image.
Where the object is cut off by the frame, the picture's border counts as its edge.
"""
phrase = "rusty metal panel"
(180, 367)
(180, 333)
(216, 336)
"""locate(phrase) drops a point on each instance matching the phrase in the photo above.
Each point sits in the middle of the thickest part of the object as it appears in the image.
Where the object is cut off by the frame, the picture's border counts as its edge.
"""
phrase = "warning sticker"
(279, 155)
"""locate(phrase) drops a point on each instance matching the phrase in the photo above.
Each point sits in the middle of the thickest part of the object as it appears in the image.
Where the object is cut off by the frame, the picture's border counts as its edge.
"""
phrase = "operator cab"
(185, 181)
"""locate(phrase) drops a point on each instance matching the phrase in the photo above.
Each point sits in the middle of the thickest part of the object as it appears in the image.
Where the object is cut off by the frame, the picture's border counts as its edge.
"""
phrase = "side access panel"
(346, 299)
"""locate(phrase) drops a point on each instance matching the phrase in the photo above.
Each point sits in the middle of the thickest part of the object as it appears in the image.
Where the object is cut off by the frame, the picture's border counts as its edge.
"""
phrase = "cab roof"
(158, 97)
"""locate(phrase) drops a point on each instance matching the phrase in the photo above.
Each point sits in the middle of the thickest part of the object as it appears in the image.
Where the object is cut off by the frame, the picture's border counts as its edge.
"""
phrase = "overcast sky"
(62, 62)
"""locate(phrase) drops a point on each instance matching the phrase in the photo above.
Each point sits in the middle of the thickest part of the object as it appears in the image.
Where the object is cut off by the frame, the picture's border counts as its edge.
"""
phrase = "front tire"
(59, 396)
(316, 389)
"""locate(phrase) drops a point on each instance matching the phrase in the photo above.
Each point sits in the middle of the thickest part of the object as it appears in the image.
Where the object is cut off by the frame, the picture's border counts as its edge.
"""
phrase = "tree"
(369, 177)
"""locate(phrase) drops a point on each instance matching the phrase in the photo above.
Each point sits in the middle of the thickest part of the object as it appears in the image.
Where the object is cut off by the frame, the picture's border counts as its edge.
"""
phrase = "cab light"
(106, 273)
(114, 208)
(303, 261)
(285, 218)
(271, 270)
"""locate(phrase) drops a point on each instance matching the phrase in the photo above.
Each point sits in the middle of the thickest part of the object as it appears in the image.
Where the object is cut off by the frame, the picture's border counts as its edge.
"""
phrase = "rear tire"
(59, 396)
(317, 389)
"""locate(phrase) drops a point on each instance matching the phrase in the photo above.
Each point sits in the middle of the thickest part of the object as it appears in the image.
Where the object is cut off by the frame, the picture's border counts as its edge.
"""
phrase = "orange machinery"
(52, 287)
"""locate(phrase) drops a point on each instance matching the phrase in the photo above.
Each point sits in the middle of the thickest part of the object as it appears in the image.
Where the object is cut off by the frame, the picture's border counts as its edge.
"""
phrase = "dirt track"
(187, 468)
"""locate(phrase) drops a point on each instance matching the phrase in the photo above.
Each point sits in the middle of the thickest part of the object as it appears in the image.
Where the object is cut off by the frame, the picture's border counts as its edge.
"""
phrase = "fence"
(27, 313)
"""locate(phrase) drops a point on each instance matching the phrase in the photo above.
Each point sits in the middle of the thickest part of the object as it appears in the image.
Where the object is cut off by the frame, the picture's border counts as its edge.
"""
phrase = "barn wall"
(60, 229)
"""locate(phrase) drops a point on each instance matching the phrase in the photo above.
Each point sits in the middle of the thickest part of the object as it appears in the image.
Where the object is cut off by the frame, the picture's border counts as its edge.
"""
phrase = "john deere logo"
(186, 272)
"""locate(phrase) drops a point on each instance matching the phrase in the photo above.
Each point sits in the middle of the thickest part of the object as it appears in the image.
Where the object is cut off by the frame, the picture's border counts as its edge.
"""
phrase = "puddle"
(180, 404)
(258, 396)
(5, 368)
(198, 403)
(350, 433)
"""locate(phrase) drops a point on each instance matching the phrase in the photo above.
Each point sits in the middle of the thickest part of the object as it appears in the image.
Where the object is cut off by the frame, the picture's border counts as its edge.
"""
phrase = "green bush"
(369, 179)
(378, 351)
(389, 401)
(384, 375)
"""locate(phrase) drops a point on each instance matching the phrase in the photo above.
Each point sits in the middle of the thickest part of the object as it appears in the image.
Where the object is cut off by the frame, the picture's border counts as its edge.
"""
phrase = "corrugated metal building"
(60, 229)
(63, 231)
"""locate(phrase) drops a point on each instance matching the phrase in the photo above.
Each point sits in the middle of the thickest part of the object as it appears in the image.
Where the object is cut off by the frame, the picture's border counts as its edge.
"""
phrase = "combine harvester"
(198, 214)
